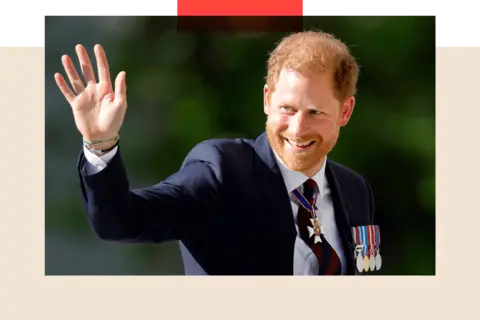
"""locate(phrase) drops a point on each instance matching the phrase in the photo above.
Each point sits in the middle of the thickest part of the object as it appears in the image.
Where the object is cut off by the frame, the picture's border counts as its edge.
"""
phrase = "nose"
(299, 124)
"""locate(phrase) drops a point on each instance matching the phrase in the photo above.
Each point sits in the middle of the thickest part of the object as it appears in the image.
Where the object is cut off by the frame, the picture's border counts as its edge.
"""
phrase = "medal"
(378, 260)
(372, 246)
(366, 263)
(316, 230)
(367, 247)
(373, 260)
(366, 260)
(358, 250)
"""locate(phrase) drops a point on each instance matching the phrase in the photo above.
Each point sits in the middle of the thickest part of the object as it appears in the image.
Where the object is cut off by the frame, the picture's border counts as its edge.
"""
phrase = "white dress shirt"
(305, 261)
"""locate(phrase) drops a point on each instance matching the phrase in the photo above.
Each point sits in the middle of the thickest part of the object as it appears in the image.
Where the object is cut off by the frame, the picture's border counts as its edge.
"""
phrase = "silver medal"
(359, 263)
(373, 259)
(359, 249)
(378, 260)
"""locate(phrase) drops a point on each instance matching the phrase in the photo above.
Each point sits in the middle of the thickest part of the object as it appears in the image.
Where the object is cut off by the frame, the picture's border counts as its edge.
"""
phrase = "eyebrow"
(315, 107)
(292, 104)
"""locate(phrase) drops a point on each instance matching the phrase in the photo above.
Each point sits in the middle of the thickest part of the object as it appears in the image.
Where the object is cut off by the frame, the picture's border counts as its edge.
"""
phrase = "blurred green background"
(187, 87)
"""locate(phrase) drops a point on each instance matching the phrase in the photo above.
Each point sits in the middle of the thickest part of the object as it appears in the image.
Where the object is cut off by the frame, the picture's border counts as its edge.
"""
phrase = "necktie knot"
(310, 190)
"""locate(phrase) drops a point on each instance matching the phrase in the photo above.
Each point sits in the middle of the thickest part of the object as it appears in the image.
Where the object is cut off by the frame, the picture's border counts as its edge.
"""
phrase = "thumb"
(120, 88)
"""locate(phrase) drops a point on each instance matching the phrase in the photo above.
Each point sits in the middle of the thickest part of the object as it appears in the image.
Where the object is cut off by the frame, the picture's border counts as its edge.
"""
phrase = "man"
(273, 206)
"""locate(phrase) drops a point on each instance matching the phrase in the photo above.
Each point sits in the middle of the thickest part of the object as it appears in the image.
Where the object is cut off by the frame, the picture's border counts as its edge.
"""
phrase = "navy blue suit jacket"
(228, 204)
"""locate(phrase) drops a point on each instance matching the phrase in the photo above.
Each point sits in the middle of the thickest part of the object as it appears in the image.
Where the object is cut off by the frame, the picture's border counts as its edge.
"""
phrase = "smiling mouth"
(301, 145)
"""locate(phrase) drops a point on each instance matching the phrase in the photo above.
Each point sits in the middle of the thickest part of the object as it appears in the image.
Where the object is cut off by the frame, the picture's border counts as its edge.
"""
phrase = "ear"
(346, 111)
(265, 99)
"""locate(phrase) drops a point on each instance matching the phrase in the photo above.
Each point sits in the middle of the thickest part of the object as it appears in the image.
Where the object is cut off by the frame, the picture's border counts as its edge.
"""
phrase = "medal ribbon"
(377, 237)
(356, 233)
(357, 239)
(300, 198)
(357, 236)
(371, 240)
(354, 236)
(365, 239)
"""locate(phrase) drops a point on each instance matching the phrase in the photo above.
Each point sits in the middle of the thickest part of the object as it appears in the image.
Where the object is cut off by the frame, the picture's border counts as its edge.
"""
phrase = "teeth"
(300, 144)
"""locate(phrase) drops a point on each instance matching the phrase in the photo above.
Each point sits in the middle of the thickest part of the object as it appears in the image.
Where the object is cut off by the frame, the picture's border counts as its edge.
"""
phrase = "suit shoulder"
(345, 173)
(225, 144)
(219, 149)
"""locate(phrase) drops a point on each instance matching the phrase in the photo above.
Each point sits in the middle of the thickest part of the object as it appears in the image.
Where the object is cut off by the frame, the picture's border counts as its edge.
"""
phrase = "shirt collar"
(294, 179)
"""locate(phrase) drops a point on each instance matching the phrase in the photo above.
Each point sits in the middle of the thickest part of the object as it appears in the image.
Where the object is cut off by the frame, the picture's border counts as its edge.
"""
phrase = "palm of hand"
(98, 110)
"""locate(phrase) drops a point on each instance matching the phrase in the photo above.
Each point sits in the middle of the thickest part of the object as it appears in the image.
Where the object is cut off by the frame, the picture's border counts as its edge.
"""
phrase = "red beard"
(309, 160)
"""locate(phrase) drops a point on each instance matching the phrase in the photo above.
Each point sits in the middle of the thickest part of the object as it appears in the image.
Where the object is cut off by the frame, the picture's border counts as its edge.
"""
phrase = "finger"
(85, 64)
(72, 74)
(102, 64)
(64, 88)
(121, 88)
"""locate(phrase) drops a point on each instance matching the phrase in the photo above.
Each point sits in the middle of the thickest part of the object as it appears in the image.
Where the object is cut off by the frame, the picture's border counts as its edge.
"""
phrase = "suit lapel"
(342, 215)
(274, 191)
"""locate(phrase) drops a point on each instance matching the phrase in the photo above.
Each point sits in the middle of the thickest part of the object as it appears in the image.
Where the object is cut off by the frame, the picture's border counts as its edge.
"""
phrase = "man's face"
(303, 119)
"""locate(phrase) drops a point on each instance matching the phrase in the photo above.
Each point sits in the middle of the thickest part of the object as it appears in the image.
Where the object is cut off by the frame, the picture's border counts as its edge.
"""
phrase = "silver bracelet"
(90, 144)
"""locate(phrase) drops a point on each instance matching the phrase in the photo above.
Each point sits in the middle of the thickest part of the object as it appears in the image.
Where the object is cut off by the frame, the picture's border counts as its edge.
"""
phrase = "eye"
(287, 108)
(316, 112)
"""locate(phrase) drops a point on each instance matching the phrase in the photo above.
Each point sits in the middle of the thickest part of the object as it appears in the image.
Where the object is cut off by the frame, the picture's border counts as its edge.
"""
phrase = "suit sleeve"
(158, 213)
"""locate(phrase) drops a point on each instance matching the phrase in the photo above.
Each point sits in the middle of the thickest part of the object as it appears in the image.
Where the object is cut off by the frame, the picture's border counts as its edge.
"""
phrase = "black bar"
(459, 24)
(226, 24)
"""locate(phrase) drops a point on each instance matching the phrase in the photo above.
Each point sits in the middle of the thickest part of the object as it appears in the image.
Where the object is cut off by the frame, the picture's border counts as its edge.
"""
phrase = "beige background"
(25, 293)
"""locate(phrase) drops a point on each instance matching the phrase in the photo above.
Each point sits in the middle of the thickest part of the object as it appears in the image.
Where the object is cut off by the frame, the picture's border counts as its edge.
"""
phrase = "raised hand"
(98, 110)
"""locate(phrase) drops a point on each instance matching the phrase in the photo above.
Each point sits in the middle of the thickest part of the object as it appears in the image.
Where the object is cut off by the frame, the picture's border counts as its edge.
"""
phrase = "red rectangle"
(389, 4)
(239, 8)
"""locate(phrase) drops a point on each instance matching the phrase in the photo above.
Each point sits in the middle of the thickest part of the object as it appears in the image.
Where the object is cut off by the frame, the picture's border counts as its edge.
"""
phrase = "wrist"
(100, 147)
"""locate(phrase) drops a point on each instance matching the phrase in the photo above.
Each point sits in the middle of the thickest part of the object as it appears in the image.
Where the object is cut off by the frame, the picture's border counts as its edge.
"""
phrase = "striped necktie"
(312, 232)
